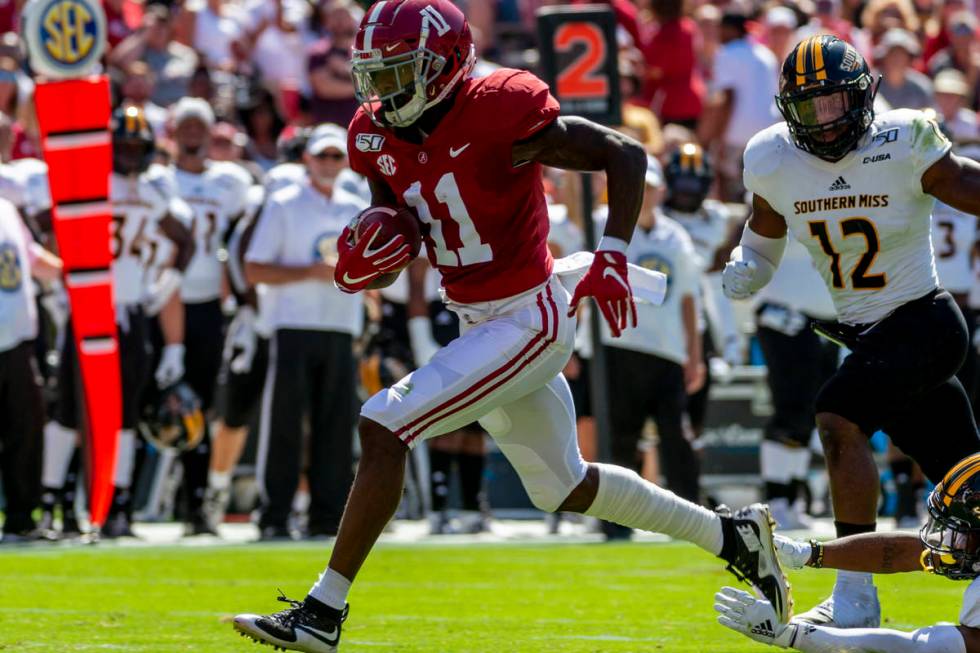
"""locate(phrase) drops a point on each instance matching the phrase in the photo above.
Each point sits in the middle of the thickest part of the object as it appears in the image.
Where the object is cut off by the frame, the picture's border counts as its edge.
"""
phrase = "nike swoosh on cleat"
(329, 638)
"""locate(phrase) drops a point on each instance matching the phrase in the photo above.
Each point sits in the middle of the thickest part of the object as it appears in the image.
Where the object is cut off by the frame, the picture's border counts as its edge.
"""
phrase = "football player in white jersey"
(857, 191)
(947, 546)
(216, 192)
(689, 175)
(142, 197)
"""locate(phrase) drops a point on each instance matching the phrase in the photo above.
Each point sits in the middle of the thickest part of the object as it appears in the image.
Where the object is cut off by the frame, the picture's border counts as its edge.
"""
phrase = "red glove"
(608, 282)
(361, 263)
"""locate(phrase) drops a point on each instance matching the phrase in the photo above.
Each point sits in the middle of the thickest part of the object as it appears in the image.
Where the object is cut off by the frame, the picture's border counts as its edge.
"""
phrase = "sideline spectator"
(780, 27)
(952, 95)
(743, 88)
(258, 114)
(332, 98)
(21, 431)
(171, 63)
(901, 85)
(311, 368)
(674, 88)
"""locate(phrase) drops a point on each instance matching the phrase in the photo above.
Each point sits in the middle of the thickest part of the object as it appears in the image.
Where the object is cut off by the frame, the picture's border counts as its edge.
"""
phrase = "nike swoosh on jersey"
(455, 153)
(328, 638)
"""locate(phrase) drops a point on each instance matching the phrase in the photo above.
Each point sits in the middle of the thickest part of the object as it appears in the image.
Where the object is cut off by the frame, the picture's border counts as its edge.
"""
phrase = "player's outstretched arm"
(576, 144)
(757, 256)
(876, 553)
(756, 619)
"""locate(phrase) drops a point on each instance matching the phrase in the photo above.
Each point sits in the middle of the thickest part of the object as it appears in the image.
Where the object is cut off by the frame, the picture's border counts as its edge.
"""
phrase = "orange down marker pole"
(65, 40)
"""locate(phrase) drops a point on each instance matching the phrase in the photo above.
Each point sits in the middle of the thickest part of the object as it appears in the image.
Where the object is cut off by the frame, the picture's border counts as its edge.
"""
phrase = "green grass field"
(577, 598)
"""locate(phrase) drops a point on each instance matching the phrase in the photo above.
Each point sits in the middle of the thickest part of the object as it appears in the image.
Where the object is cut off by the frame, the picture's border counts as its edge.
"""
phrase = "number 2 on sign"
(473, 249)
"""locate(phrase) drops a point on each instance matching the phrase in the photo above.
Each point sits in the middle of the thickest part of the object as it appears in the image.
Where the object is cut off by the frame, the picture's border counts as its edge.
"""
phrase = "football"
(394, 221)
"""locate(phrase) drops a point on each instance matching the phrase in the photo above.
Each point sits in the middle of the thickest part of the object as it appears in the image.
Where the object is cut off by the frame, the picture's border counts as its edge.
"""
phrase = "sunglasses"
(329, 156)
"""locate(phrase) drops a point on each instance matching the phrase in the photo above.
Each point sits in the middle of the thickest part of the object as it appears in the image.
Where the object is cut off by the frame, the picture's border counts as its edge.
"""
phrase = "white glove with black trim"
(754, 618)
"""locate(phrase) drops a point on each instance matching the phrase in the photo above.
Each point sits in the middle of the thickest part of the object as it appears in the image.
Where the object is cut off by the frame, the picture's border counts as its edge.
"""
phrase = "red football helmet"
(408, 56)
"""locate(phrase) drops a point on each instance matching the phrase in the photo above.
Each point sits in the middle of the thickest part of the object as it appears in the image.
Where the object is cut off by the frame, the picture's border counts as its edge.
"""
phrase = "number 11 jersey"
(485, 219)
(865, 219)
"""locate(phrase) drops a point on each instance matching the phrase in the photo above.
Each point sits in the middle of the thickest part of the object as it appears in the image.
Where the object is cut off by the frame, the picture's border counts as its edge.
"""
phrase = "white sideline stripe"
(98, 346)
(71, 141)
(85, 279)
(81, 210)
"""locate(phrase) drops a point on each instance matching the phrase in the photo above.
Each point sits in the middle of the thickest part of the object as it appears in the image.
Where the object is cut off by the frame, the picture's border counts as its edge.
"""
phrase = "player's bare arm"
(954, 180)
(182, 238)
(573, 143)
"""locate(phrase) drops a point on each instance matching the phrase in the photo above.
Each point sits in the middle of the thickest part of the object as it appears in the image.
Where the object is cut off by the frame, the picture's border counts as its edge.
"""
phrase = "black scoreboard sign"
(579, 60)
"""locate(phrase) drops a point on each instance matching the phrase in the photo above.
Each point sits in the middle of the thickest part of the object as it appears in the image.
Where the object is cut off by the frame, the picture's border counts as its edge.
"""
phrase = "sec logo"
(11, 275)
(65, 38)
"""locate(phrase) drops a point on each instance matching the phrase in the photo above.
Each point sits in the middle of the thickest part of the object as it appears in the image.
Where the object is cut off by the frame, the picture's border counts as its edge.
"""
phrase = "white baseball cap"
(781, 17)
(327, 135)
(193, 107)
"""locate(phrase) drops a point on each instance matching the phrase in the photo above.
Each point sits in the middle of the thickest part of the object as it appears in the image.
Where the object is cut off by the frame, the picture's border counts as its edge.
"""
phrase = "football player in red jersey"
(465, 154)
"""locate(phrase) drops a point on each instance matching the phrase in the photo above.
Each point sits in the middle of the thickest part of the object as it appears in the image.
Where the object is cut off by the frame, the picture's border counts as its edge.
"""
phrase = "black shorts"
(135, 360)
(21, 435)
(581, 388)
(899, 378)
(242, 393)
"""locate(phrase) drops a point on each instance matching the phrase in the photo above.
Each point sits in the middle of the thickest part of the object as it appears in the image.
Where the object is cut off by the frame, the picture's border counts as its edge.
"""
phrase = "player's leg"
(239, 402)
(510, 349)
(537, 434)
(21, 437)
(470, 463)
(61, 436)
(794, 362)
(666, 398)
(202, 361)
(441, 452)
(332, 416)
(135, 370)
(284, 401)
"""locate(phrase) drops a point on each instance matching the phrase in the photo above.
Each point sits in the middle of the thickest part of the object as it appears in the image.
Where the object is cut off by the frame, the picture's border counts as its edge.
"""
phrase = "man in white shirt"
(311, 365)
(652, 368)
(21, 430)
(743, 86)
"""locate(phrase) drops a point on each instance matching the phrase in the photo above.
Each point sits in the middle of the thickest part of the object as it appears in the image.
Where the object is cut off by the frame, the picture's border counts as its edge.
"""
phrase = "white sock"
(627, 499)
(59, 445)
(219, 480)
(853, 579)
(934, 639)
(301, 502)
(331, 589)
(125, 458)
(780, 463)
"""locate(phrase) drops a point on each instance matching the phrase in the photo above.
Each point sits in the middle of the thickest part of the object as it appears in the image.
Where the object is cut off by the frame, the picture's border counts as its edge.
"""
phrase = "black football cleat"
(751, 556)
(308, 625)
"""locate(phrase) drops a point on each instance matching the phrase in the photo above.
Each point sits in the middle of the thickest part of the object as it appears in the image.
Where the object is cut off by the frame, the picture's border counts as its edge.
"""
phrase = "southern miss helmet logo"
(851, 60)
(65, 38)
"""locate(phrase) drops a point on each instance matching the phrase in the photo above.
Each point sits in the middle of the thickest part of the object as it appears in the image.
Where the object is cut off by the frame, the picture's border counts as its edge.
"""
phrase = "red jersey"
(485, 220)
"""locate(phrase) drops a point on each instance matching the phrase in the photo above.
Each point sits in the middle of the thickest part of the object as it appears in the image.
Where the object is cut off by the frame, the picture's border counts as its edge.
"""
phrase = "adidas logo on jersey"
(840, 184)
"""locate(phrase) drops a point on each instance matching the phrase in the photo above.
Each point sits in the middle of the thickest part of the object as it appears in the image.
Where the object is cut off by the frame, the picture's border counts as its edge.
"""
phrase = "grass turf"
(577, 598)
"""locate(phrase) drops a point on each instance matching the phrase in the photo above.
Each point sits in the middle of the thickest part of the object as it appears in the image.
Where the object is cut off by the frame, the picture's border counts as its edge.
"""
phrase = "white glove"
(424, 346)
(243, 339)
(752, 617)
(736, 279)
(160, 291)
(792, 553)
(171, 367)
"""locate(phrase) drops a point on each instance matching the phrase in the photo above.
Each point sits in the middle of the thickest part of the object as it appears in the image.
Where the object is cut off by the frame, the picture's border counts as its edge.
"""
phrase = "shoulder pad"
(764, 152)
